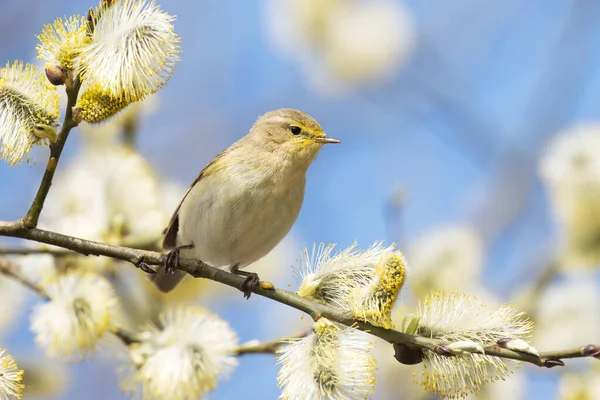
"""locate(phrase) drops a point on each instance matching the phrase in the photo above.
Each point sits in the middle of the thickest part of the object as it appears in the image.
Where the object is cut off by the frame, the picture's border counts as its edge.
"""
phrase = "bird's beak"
(326, 140)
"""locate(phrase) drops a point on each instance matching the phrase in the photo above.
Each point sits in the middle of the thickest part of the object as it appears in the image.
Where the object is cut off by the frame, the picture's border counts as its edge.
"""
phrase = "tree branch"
(26, 252)
(56, 252)
(143, 258)
(266, 347)
(259, 348)
(9, 269)
(30, 220)
(72, 86)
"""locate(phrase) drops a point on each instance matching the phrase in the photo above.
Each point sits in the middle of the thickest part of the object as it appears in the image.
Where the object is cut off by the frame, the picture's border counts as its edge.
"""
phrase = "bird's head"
(290, 134)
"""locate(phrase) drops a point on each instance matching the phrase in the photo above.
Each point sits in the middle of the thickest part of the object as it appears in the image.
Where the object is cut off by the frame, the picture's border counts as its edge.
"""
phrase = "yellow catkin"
(391, 275)
(61, 41)
(27, 99)
(95, 105)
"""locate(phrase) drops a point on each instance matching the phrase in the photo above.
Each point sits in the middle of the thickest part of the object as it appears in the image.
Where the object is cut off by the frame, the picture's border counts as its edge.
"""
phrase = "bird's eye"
(296, 130)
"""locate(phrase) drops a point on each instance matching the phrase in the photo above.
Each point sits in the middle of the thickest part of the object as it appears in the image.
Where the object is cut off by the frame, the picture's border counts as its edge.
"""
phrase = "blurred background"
(470, 136)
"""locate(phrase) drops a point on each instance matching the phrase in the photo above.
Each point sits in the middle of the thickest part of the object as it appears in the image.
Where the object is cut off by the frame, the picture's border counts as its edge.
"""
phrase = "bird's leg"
(172, 259)
(252, 281)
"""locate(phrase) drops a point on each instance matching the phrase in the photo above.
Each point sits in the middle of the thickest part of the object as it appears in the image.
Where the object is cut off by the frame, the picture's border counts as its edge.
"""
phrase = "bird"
(245, 201)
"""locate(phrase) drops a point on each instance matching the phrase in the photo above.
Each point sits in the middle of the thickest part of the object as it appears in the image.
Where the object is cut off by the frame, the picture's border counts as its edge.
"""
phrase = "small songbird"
(244, 202)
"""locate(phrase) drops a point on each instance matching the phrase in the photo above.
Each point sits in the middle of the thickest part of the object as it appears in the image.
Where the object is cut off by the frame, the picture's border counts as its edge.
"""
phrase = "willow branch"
(148, 244)
(72, 86)
(259, 348)
(267, 347)
(30, 220)
(27, 252)
(143, 259)
(9, 269)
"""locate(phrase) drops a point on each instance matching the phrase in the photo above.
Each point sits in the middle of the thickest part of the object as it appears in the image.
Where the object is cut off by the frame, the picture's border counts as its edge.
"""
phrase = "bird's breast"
(238, 218)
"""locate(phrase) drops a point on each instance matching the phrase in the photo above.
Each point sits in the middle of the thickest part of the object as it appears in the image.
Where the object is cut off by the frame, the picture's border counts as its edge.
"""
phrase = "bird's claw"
(144, 266)
(250, 284)
(172, 259)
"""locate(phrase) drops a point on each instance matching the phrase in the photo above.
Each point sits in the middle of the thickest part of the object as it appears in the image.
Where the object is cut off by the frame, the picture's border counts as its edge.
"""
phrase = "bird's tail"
(165, 281)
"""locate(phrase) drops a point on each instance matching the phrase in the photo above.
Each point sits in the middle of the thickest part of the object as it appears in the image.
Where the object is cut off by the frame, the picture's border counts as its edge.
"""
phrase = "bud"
(551, 363)
(518, 345)
(267, 285)
(466, 346)
(56, 76)
(76, 116)
(591, 350)
(410, 324)
(407, 355)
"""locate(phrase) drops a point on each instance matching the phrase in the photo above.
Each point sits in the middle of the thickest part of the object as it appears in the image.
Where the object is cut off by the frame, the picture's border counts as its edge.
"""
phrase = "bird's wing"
(170, 232)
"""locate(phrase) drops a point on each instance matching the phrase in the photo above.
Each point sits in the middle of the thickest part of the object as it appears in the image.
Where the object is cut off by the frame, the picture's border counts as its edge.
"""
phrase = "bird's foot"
(250, 284)
(172, 259)
(144, 266)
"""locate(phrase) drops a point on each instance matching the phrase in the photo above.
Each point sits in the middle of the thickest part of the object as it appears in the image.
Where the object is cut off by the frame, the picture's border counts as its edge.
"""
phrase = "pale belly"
(237, 223)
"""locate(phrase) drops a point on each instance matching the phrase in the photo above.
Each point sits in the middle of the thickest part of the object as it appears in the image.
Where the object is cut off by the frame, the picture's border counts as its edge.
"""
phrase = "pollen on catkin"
(365, 282)
(331, 363)
(182, 359)
(27, 102)
(82, 308)
(374, 302)
(61, 42)
(133, 50)
(95, 104)
(468, 325)
(11, 377)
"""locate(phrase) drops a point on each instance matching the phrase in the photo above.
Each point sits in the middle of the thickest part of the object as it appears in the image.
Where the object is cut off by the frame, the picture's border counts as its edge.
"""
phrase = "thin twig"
(259, 348)
(267, 347)
(72, 86)
(198, 269)
(9, 269)
(30, 220)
